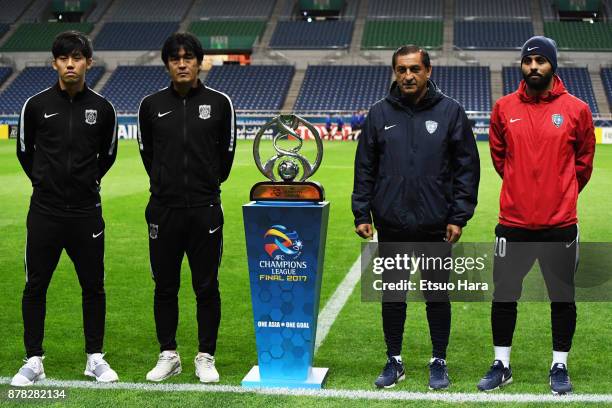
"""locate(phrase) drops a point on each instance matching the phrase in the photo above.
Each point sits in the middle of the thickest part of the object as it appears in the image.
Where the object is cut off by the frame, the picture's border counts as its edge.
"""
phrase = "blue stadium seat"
(406, 9)
(33, 80)
(5, 72)
(3, 29)
(134, 35)
(314, 35)
(576, 80)
(251, 87)
(606, 78)
(129, 84)
(492, 34)
(471, 86)
(342, 87)
(11, 10)
(100, 7)
(234, 10)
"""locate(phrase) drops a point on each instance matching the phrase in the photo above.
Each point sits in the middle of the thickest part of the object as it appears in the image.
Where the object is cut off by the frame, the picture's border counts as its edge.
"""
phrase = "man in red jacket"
(542, 144)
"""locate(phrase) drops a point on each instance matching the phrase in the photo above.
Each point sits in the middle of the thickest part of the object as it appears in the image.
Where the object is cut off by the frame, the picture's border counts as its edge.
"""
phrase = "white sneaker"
(205, 368)
(30, 372)
(98, 368)
(168, 364)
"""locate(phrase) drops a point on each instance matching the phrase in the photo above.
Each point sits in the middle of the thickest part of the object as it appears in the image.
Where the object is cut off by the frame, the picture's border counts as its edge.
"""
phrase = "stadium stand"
(134, 35)
(492, 34)
(39, 36)
(5, 72)
(312, 35)
(237, 9)
(35, 11)
(576, 80)
(391, 34)
(228, 34)
(3, 29)
(100, 7)
(151, 10)
(326, 88)
(471, 86)
(11, 10)
(252, 87)
(580, 36)
(33, 80)
(406, 9)
(129, 84)
(606, 78)
(469, 9)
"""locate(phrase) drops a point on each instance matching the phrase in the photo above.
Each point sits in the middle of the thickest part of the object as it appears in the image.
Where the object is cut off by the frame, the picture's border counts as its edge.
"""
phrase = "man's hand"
(453, 233)
(365, 231)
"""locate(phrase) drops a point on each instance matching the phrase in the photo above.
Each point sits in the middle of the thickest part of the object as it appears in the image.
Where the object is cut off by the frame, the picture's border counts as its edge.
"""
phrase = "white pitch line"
(336, 302)
(328, 393)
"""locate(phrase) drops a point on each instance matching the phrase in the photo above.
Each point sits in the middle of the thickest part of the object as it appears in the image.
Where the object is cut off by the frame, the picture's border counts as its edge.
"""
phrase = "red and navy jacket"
(543, 149)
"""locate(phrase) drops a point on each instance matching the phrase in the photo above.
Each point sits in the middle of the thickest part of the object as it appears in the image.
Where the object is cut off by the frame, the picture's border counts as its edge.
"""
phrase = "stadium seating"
(314, 35)
(252, 87)
(33, 80)
(342, 87)
(471, 86)
(580, 36)
(35, 11)
(492, 34)
(606, 78)
(576, 80)
(150, 10)
(227, 27)
(134, 35)
(5, 72)
(129, 84)
(236, 9)
(468, 9)
(3, 29)
(392, 34)
(100, 7)
(39, 36)
(11, 10)
(406, 9)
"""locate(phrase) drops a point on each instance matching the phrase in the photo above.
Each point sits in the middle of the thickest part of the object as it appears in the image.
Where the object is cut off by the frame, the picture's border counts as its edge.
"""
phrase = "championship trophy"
(286, 226)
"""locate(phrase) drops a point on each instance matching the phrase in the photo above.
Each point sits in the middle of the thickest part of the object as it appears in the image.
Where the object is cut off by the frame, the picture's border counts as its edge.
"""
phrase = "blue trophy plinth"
(286, 226)
(285, 249)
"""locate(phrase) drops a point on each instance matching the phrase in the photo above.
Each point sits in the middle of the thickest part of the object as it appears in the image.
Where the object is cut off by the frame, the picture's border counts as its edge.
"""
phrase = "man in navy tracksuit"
(416, 176)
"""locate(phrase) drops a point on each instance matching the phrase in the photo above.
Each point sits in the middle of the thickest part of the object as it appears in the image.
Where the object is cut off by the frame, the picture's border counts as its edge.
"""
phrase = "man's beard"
(540, 83)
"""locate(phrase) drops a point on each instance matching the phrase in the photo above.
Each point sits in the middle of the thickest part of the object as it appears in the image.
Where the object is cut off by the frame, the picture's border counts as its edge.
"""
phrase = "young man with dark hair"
(542, 144)
(416, 177)
(187, 139)
(67, 143)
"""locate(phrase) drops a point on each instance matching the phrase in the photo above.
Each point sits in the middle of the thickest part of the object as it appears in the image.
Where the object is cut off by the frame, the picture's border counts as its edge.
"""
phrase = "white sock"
(503, 354)
(559, 357)
(398, 358)
(436, 358)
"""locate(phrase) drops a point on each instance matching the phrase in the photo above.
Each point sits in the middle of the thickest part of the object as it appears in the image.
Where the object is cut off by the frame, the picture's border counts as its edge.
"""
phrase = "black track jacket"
(187, 144)
(416, 168)
(65, 147)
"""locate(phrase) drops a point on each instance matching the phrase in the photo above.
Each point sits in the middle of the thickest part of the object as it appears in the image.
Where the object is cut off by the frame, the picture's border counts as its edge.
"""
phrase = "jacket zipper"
(69, 162)
(185, 158)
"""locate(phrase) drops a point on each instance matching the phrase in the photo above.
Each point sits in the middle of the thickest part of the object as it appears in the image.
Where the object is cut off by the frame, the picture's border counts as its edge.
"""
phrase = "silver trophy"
(287, 162)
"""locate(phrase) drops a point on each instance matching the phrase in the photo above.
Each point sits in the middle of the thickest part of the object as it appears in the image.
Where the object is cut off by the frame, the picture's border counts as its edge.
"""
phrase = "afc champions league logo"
(279, 243)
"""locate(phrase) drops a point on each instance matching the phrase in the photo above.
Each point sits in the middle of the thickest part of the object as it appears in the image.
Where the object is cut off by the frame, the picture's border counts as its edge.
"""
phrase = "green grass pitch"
(354, 348)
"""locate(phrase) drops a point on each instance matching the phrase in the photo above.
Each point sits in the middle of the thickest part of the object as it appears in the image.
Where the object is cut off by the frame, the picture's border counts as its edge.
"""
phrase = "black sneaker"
(438, 375)
(496, 377)
(391, 374)
(560, 383)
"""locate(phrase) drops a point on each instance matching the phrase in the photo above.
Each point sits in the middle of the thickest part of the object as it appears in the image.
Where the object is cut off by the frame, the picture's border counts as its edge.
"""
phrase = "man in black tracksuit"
(416, 175)
(67, 143)
(187, 139)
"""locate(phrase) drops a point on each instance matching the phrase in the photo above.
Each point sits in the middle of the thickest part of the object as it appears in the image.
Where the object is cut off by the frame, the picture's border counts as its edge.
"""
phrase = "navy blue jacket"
(416, 167)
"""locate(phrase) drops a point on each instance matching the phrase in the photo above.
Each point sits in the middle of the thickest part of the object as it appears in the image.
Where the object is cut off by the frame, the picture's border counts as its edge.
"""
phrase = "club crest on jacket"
(90, 116)
(557, 119)
(431, 126)
(204, 111)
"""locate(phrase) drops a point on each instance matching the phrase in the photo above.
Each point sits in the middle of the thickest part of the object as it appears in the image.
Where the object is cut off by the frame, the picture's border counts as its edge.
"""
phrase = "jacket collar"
(192, 92)
(557, 90)
(65, 95)
(432, 97)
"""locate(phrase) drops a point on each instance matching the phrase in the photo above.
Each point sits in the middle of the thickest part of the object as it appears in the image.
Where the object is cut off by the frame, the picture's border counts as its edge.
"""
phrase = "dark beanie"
(544, 46)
